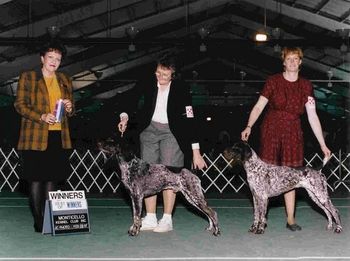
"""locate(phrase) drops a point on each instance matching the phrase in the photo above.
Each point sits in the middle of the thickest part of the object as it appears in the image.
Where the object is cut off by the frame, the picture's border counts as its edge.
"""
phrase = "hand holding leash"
(246, 133)
(123, 123)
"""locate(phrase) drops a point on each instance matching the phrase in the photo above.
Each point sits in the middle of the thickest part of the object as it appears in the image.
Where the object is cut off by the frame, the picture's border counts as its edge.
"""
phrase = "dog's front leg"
(263, 201)
(260, 208)
(136, 202)
(253, 228)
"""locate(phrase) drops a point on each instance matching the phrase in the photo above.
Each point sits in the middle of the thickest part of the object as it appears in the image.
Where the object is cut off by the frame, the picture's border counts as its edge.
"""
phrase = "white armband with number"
(189, 111)
(311, 103)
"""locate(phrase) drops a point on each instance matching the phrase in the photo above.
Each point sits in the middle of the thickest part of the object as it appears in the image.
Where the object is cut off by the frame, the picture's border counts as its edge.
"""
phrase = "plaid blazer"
(31, 102)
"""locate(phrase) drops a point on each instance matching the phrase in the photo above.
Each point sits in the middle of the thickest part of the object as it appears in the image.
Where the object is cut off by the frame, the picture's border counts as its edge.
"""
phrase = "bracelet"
(249, 127)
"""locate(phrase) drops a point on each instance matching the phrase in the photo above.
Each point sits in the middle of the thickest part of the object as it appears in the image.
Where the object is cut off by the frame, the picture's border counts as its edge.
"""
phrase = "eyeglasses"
(163, 75)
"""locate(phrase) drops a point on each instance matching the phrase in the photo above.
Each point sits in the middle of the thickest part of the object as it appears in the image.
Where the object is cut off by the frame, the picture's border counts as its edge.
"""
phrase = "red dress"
(281, 133)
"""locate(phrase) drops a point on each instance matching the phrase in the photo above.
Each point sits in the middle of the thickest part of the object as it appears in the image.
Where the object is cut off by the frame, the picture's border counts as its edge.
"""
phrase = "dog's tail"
(325, 163)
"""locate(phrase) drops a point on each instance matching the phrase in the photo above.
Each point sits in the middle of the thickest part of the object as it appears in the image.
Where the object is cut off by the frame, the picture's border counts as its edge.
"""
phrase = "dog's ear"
(242, 151)
(228, 154)
(247, 151)
(111, 163)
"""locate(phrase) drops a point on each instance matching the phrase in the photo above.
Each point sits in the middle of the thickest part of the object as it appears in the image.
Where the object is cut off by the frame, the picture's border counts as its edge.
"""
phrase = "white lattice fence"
(88, 174)
(9, 165)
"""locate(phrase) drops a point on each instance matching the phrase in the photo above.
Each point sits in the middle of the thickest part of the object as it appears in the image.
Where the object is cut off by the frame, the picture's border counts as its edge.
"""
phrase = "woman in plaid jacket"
(44, 135)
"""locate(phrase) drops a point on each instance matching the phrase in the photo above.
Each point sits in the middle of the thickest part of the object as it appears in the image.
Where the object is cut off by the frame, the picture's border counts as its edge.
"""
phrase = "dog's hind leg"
(315, 199)
(335, 214)
(329, 205)
(201, 204)
(192, 190)
(136, 202)
(321, 198)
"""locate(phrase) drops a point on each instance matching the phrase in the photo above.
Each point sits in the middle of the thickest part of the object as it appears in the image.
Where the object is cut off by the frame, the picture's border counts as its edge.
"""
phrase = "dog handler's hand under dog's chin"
(122, 126)
(245, 134)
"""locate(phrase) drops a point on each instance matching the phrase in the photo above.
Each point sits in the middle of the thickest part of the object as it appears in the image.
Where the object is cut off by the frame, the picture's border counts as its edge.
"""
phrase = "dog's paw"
(338, 229)
(213, 229)
(260, 231)
(133, 231)
(216, 232)
(257, 228)
(253, 229)
(330, 226)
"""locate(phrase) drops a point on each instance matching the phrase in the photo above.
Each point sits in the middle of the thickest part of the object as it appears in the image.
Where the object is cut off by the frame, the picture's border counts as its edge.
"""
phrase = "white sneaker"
(163, 226)
(148, 223)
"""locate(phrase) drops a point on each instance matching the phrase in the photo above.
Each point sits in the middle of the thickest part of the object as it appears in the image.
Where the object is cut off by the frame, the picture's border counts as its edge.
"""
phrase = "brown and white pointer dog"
(142, 179)
(267, 180)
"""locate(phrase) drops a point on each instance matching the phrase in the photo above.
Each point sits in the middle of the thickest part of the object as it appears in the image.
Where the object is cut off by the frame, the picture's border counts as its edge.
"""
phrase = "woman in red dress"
(288, 95)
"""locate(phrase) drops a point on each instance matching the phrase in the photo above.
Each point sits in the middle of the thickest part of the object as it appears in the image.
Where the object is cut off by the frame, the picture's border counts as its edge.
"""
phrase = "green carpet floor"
(111, 218)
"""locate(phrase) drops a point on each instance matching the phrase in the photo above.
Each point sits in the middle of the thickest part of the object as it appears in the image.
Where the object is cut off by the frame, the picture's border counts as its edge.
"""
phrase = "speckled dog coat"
(267, 180)
(142, 179)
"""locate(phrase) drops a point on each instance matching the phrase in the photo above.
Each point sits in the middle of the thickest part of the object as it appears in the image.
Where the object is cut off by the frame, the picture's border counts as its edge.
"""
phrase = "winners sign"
(66, 212)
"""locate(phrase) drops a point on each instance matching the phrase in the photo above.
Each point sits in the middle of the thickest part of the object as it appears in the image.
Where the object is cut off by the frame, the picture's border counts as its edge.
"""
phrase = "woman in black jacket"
(167, 133)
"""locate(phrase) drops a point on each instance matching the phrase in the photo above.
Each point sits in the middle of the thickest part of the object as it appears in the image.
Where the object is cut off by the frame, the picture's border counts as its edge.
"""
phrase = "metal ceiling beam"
(244, 68)
(302, 15)
(67, 18)
(345, 16)
(4, 1)
(320, 5)
(123, 42)
(14, 67)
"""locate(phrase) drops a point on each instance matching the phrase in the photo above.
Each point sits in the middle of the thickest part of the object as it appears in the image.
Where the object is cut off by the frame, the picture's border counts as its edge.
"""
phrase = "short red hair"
(291, 50)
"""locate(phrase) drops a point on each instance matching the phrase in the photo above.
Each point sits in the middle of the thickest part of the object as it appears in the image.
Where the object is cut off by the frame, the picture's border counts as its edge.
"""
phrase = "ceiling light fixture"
(53, 30)
(132, 47)
(343, 49)
(261, 35)
(243, 75)
(131, 32)
(276, 33)
(329, 75)
(98, 74)
(203, 33)
(277, 48)
(343, 33)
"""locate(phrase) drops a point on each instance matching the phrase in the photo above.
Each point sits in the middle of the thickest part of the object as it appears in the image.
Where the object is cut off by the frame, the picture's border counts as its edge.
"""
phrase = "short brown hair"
(291, 50)
(168, 62)
(53, 46)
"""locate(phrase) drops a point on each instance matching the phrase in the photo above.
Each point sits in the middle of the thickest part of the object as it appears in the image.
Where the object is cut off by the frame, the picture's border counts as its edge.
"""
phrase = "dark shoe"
(38, 226)
(38, 229)
(293, 227)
